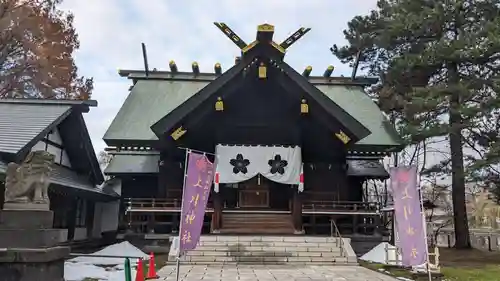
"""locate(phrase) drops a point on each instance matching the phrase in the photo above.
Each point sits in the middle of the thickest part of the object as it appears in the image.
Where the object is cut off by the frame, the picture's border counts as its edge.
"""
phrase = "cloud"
(111, 31)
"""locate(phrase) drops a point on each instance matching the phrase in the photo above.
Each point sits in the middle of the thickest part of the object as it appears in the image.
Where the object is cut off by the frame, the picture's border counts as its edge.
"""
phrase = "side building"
(78, 196)
(259, 111)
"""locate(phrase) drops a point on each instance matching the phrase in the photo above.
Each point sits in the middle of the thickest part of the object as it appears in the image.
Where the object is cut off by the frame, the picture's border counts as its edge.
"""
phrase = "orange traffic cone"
(151, 270)
(139, 276)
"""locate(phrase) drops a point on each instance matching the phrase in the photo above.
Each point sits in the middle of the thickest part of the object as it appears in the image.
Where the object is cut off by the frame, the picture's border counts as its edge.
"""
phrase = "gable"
(148, 102)
(205, 94)
(224, 85)
(52, 142)
(76, 140)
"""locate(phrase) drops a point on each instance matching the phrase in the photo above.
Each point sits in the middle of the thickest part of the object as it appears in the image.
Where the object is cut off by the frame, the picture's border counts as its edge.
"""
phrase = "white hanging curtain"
(240, 163)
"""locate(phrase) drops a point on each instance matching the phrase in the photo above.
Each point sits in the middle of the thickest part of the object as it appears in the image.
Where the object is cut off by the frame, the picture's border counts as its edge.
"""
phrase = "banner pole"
(424, 226)
(178, 259)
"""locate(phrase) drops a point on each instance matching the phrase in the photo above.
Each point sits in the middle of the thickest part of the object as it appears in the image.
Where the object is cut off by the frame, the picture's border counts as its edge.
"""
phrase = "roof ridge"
(211, 76)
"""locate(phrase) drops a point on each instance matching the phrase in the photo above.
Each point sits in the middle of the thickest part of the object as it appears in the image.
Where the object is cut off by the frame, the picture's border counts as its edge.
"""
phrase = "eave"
(82, 105)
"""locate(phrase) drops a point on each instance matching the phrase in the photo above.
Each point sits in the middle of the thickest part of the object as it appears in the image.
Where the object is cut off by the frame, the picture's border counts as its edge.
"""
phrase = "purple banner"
(197, 185)
(408, 216)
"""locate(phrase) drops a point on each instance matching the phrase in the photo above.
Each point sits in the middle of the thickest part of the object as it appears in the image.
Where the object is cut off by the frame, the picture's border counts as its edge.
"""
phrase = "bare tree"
(104, 159)
(36, 45)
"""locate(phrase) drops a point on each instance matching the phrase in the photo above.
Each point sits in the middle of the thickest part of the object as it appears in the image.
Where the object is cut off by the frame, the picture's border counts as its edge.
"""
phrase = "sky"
(111, 33)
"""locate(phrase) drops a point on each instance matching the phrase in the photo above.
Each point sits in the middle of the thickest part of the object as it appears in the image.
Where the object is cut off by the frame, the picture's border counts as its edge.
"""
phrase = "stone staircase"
(250, 223)
(300, 250)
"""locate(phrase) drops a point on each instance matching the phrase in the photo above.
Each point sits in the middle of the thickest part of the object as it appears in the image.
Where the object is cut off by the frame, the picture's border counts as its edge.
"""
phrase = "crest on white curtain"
(239, 163)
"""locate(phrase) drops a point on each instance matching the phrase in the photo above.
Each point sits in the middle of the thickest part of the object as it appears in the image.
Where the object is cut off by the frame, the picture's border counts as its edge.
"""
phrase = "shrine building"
(293, 151)
(83, 205)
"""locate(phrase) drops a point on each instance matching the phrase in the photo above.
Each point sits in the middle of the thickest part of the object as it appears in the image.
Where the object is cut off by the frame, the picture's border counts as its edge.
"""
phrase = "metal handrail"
(333, 227)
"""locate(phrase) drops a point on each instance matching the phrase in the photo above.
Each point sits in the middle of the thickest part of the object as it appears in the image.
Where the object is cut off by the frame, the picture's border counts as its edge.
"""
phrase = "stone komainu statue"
(29, 181)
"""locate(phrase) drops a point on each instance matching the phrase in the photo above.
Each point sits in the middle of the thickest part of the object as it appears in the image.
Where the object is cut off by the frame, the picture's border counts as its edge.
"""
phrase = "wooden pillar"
(354, 224)
(393, 230)
(170, 179)
(151, 223)
(162, 177)
(89, 218)
(2, 194)
(378, 225)
(297, 213)
(71, 219)
(217, 214)
(176, 217)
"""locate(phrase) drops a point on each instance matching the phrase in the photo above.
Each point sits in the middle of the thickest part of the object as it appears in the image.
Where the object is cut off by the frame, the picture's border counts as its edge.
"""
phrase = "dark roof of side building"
(24, 122)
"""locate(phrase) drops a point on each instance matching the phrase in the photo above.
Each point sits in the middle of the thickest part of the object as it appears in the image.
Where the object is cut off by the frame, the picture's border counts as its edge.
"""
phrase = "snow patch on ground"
(79, 271)
(120, 249)
(100, 268)
(383, 253)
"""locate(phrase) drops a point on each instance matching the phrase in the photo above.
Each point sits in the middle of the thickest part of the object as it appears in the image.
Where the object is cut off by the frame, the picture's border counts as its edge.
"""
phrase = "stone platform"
(305, 250)
(272, 273)
(28, 248)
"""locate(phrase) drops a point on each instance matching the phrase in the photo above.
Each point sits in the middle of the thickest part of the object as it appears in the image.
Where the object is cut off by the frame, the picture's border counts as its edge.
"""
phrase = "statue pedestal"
(28, 248)
(33, 264)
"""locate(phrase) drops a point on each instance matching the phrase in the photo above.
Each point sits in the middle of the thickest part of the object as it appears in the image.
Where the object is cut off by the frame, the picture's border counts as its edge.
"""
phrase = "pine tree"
(439, 66)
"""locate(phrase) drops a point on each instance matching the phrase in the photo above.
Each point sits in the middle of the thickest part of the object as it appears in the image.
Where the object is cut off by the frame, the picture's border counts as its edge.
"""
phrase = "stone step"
(253, 215)
(263, 253)
(268, 249)
(260, 224)
(249, 238)
(269, 259)
(267, 244)
(251, 230)
(221, 249)
(338, 262)
(255, 221)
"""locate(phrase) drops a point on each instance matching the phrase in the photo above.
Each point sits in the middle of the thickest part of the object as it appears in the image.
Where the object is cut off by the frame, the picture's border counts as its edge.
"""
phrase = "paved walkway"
(272, 273)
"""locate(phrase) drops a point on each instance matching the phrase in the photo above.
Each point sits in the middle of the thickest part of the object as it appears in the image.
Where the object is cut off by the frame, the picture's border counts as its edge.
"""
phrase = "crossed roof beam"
(265, 33)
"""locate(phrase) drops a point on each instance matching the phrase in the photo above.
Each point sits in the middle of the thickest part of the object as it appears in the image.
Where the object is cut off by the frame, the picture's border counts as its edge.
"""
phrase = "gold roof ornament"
(218, 69)
(307, 71)
(219, 104)
(265, 33)
(343, 137)
(173, 66)
(304, 107)
(178, 133)
(196, 68)
(328, 72)
(265, 27)
(262, 71)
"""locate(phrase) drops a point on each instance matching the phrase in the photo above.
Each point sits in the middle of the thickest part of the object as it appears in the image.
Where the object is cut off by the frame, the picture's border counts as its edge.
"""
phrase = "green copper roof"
(359, 105)
(133, 163)
(147, 103)
(150, 100)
